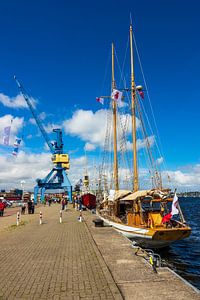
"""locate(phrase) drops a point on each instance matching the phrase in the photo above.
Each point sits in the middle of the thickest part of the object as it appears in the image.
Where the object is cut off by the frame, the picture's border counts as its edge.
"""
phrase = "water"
(184, 256)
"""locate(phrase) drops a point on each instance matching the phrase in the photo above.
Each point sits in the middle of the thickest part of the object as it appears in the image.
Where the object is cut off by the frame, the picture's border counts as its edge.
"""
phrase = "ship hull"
(148, 237)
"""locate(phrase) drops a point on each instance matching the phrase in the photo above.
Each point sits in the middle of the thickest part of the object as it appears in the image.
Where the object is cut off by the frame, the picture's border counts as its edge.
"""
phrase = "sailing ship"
(150, 217)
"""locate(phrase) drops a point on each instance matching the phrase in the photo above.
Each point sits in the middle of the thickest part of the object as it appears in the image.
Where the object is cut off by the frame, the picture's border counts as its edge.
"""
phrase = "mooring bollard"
(80, 216)
(40, 218)
(60, 216)
(18, 219)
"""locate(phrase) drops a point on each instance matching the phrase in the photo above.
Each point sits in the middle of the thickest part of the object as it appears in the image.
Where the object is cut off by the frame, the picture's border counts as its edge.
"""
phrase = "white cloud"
(90, 126)
(15, 102)
(89, 147)
(49, 127)
(87, 125)
(141, 143)
(42, 115)
(187, 179)
(26, 167)
(159, 160)
(15, 123)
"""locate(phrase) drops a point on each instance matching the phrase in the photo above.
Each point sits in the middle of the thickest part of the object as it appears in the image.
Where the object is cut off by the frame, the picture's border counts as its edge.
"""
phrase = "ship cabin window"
(125, 206)
(149, 205)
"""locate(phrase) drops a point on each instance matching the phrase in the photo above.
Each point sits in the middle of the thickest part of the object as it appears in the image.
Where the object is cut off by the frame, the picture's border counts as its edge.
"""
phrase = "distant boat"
(145, 216)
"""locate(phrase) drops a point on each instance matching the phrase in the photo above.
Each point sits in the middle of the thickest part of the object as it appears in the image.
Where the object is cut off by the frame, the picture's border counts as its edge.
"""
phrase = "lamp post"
(22, 187)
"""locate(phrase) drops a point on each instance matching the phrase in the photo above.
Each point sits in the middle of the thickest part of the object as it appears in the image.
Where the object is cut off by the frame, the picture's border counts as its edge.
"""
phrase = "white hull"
(139, 235)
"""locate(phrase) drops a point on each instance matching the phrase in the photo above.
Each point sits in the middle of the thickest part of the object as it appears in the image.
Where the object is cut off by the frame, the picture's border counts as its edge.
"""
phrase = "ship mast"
(114, 105)
(135, 168)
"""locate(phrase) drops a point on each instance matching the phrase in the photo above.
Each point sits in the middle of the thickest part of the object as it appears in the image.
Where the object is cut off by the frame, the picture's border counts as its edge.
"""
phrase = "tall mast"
(114, 105)
(135, 168)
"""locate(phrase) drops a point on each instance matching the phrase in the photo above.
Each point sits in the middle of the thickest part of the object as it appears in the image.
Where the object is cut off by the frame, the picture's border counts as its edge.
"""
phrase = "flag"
(100, 100)
(141, 94)
(174, 205)
(116, 95)
(15, 151)
(17, 142)
(139, 88)
(16, 146)
(6, 135)
(166, 218)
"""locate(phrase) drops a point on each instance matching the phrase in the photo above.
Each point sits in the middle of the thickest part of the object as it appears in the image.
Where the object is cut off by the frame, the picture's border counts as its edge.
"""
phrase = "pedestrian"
(29, 206)
(49, 201)
(2, 206)
(76, 203)
(23, 209)
(63, 203)
(32, 207)
(79, 202)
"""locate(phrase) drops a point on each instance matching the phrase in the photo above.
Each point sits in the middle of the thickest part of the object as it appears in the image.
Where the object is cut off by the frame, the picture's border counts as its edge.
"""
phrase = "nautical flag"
(6, 135)
(16, 146)
(141, 94)
(139, 88)
(17, 142)
(166, 218)
(100, 100)
(116, 95)
(174, 205)
(15, 151)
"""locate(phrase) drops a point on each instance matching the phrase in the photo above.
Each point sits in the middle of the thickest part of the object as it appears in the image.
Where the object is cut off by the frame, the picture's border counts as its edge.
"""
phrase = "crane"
(57, 178)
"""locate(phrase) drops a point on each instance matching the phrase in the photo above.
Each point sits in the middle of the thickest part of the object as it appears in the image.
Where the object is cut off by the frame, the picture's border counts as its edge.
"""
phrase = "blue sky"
(59, 50)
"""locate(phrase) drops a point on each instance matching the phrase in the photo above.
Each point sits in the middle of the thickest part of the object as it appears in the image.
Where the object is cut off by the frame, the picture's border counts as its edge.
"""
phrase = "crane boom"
(26, 98)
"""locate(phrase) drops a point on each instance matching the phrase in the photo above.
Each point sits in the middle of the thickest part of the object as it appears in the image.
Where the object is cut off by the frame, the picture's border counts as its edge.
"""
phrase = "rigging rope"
(161, 152)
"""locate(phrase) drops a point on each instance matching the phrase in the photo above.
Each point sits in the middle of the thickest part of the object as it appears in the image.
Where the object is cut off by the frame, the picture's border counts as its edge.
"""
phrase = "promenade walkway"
(52, 260)
(76, 260)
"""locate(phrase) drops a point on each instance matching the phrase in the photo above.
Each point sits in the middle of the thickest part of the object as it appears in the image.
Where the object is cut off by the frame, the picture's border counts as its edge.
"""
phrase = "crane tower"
(57, 178)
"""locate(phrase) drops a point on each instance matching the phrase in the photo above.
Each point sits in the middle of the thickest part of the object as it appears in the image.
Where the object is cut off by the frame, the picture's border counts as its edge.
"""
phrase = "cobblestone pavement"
(52, 260)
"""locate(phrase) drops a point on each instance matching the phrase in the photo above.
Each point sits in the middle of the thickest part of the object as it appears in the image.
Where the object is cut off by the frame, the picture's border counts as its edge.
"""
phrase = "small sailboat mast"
(133, 94)
(114, 105)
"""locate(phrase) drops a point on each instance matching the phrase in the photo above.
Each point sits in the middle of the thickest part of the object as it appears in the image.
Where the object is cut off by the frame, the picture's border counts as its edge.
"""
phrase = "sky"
(60, 51)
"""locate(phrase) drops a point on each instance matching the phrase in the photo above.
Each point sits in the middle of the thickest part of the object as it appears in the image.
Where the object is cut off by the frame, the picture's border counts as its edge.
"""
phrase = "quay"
(76, 260)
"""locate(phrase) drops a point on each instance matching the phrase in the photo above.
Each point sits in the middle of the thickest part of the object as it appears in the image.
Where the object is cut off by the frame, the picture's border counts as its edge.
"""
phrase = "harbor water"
(184, 256)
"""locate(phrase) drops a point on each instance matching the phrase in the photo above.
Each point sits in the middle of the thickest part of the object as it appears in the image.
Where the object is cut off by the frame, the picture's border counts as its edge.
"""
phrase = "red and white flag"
(174, 205)
(100, 100)
(116, 95)
(139, 88)
(166, 218)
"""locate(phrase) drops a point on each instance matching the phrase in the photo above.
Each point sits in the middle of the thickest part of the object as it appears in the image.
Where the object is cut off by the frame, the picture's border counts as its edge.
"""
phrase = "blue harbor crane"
(57, 178)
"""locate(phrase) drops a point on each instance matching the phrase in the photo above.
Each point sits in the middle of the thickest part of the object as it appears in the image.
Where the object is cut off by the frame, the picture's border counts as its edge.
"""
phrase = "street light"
(22, 187)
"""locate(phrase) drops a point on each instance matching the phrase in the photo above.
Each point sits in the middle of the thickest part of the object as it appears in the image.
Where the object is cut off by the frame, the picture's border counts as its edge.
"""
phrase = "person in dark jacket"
(33, 207)
(29, 206)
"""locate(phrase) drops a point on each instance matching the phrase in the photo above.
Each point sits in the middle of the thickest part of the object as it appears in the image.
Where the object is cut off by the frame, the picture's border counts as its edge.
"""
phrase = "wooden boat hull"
(150, 237)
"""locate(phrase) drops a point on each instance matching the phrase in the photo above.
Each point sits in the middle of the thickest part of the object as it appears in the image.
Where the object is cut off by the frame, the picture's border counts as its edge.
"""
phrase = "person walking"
(23, 209)
(29, 206)
(79, 202)
(49, 201)
(2, 206)
(63, 204)
(32, 207)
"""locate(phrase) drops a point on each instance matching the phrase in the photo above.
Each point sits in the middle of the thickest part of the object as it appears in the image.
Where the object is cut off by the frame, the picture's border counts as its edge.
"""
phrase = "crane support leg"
(36, 188)
(67, 185)
(42, 194)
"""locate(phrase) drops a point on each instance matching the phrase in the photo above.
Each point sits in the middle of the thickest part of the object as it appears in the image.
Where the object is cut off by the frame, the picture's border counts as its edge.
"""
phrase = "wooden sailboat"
(141, 215)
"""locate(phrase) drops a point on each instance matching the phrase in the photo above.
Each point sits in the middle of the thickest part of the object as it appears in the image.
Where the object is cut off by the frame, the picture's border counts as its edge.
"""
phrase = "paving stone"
(52, 260)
